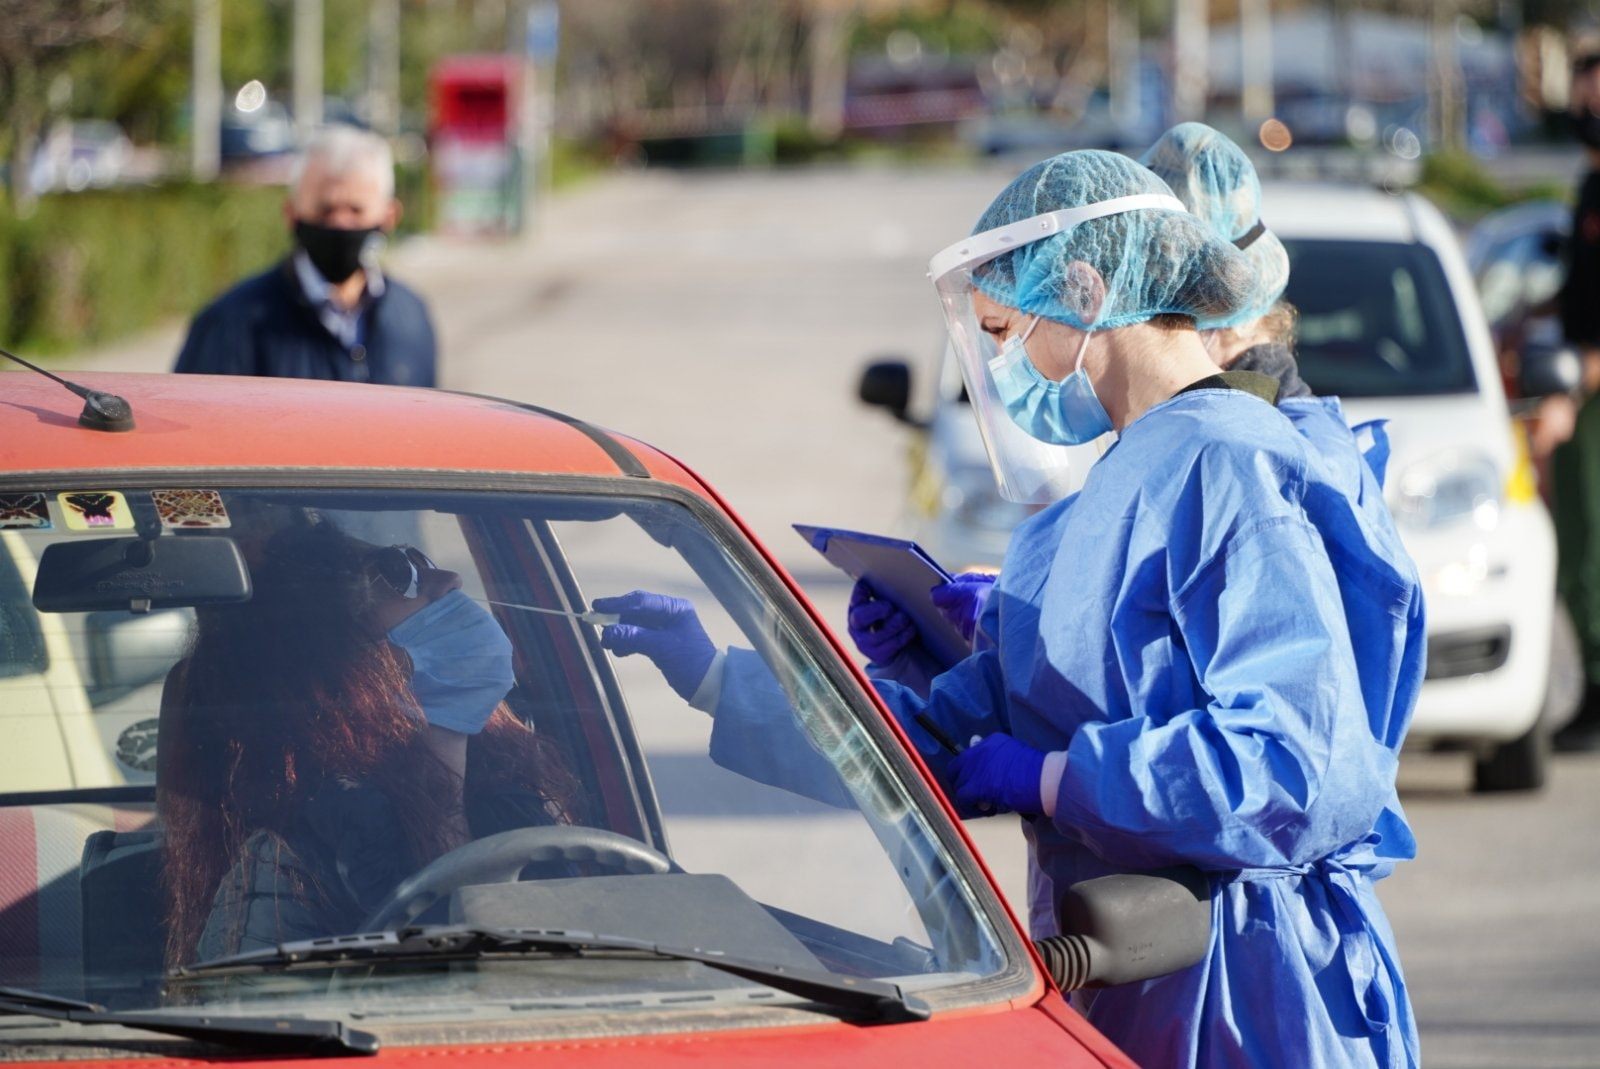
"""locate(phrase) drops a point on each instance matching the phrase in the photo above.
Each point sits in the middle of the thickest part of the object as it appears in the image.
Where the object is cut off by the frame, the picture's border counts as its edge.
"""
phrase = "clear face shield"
(1028, 470)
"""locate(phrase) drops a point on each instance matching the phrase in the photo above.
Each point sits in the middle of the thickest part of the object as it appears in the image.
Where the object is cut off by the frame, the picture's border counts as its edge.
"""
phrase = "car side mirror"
(887, 384)
(1548, 370)
(1134, 926)
(127, 651)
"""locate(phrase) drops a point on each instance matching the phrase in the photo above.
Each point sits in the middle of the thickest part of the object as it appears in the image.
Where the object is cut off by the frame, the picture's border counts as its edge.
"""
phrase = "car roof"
(227, 423)
(1336, 210)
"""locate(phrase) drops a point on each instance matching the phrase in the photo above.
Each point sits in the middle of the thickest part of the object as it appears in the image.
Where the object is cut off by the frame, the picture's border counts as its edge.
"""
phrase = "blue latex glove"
(665, 629)
(1001, 770)
(877, 626)
(961, 600)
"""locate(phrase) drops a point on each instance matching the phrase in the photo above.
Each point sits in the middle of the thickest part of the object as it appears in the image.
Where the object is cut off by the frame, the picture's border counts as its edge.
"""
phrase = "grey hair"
(342, 149)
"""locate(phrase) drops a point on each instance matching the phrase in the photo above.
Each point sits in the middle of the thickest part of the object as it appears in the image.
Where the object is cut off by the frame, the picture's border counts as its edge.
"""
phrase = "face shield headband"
(1026, 469)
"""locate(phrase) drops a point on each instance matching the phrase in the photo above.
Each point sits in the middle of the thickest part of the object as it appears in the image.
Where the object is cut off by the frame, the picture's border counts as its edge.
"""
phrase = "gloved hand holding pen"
(1002, 771)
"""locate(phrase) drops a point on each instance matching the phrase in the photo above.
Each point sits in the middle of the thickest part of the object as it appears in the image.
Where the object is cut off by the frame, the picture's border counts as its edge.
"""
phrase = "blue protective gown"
(1224, 638)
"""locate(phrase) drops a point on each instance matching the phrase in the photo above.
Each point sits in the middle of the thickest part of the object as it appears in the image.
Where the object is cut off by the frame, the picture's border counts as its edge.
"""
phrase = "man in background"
(327, 311)
(1575, 463)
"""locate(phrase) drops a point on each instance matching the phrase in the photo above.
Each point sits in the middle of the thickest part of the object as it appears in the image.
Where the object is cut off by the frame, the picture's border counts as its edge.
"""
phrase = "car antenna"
(101, 411)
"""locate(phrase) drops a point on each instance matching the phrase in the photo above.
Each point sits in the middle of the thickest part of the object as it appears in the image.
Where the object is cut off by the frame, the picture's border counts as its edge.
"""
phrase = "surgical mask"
(1061, 413)
(460, 662)
(335, 253)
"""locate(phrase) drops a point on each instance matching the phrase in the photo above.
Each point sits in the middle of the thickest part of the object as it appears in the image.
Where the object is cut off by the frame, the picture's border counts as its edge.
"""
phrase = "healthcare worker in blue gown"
(1166, 671)
(1216, 181)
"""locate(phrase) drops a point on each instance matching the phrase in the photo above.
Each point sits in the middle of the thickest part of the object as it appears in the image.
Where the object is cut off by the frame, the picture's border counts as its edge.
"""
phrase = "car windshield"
(1376, 320)
(238, 717)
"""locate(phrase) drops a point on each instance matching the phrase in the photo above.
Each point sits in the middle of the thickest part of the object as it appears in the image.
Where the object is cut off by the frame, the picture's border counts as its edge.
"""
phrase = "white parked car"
(1390, 323)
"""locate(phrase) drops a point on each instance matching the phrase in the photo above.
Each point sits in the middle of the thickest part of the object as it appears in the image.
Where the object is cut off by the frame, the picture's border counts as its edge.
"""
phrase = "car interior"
(670, 847)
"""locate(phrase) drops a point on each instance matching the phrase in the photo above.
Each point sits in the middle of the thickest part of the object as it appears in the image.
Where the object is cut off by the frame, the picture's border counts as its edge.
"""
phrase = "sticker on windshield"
(95, 510)
(24, 512)
(190, 508)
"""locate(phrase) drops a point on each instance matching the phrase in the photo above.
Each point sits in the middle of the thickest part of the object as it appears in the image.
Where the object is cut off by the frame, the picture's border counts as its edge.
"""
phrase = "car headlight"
(1450, 489)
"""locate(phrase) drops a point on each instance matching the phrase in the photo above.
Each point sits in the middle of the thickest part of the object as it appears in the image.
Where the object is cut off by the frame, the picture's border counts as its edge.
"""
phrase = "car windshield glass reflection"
(1376, 319)
(241, 718)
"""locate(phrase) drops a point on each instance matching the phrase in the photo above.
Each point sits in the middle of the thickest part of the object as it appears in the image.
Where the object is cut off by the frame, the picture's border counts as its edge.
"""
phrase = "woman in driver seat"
(330, 736)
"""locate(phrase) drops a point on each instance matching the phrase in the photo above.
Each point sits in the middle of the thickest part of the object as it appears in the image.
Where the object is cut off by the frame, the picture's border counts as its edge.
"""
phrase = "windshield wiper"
(274, 1035)
(879, 999)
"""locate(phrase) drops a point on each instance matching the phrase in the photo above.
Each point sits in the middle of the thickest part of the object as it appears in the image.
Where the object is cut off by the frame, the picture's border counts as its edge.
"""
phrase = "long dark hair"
(291, 691)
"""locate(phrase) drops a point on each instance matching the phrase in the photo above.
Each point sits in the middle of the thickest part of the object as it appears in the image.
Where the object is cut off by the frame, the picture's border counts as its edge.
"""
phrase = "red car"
(223, 832)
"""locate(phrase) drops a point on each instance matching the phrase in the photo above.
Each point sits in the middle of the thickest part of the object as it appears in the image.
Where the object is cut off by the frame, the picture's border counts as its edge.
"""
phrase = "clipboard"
(902, 572)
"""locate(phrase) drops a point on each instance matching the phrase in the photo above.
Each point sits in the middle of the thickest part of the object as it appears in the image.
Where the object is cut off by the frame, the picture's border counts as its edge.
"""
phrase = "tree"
(37, 42)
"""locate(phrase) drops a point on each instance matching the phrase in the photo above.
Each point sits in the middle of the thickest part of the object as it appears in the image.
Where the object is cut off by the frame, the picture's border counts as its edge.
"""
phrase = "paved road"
(725, 317)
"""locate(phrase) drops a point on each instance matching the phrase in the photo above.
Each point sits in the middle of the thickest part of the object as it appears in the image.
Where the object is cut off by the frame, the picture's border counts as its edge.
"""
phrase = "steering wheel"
(499, 858)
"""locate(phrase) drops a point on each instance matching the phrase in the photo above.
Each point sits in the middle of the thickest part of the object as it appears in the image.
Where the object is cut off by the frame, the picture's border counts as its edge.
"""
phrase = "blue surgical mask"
(1061, 413)
(460, 662)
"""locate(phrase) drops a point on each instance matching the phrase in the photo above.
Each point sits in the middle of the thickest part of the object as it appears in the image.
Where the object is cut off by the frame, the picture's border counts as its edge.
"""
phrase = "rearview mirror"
(1548, 370)
(1118, 929)
(139, 574)
(887, 384)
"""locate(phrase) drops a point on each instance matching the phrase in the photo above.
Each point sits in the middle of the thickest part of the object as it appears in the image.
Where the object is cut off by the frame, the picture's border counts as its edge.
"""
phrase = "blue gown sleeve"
(755, 734)
(913, 668)
(967, 700)
(1279, 768)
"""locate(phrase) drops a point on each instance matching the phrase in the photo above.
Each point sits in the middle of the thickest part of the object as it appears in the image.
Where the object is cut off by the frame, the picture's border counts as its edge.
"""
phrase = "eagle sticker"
(95, 510)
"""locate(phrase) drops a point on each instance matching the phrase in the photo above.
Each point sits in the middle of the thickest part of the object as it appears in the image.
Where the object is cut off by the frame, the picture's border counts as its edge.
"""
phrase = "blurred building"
(1366, 73)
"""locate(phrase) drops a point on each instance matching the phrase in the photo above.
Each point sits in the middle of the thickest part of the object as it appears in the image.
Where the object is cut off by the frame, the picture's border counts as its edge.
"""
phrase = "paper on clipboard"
(899, 570)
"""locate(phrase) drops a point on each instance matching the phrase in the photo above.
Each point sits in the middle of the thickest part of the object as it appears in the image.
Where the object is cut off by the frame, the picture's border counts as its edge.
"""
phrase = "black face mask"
(334, 252)
(1586, 127)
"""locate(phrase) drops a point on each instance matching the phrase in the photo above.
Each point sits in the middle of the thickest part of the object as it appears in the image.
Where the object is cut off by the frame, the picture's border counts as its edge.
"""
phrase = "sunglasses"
(400, 568)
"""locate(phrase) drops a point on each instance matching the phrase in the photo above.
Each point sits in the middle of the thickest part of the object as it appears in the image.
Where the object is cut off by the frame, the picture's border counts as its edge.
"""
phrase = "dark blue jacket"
(266, 326)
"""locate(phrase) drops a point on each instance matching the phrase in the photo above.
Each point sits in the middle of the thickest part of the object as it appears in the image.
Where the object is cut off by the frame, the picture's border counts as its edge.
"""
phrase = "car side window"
(22, 648)
(722, 811)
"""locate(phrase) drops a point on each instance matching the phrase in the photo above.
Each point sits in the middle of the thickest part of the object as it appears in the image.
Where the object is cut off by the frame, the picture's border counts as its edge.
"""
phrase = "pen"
(937, 733)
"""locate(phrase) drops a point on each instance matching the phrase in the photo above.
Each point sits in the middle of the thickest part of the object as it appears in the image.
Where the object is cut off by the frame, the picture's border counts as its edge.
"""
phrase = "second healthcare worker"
(1165, 673)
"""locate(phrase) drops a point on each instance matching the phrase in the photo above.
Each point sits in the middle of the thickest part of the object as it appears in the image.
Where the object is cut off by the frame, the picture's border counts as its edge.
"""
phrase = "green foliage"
(794, 141)
(1460, 185)
(573, 162)
(91, 267)
(955, 26)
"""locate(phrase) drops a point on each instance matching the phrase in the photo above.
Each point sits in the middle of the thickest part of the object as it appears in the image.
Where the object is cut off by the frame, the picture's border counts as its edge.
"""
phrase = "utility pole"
(830, 66)
(1190, 38)
(1445, 89)
(1122, 65)
(383, 66)
(307, 90)
(1255, 50)
(205, 90)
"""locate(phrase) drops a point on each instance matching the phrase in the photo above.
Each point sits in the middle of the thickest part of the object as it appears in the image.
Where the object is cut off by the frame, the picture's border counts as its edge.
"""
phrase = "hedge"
(89, 268)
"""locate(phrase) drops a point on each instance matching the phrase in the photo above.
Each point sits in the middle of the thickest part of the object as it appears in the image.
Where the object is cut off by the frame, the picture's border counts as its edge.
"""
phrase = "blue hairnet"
(1153, 262)
(1217, 182)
